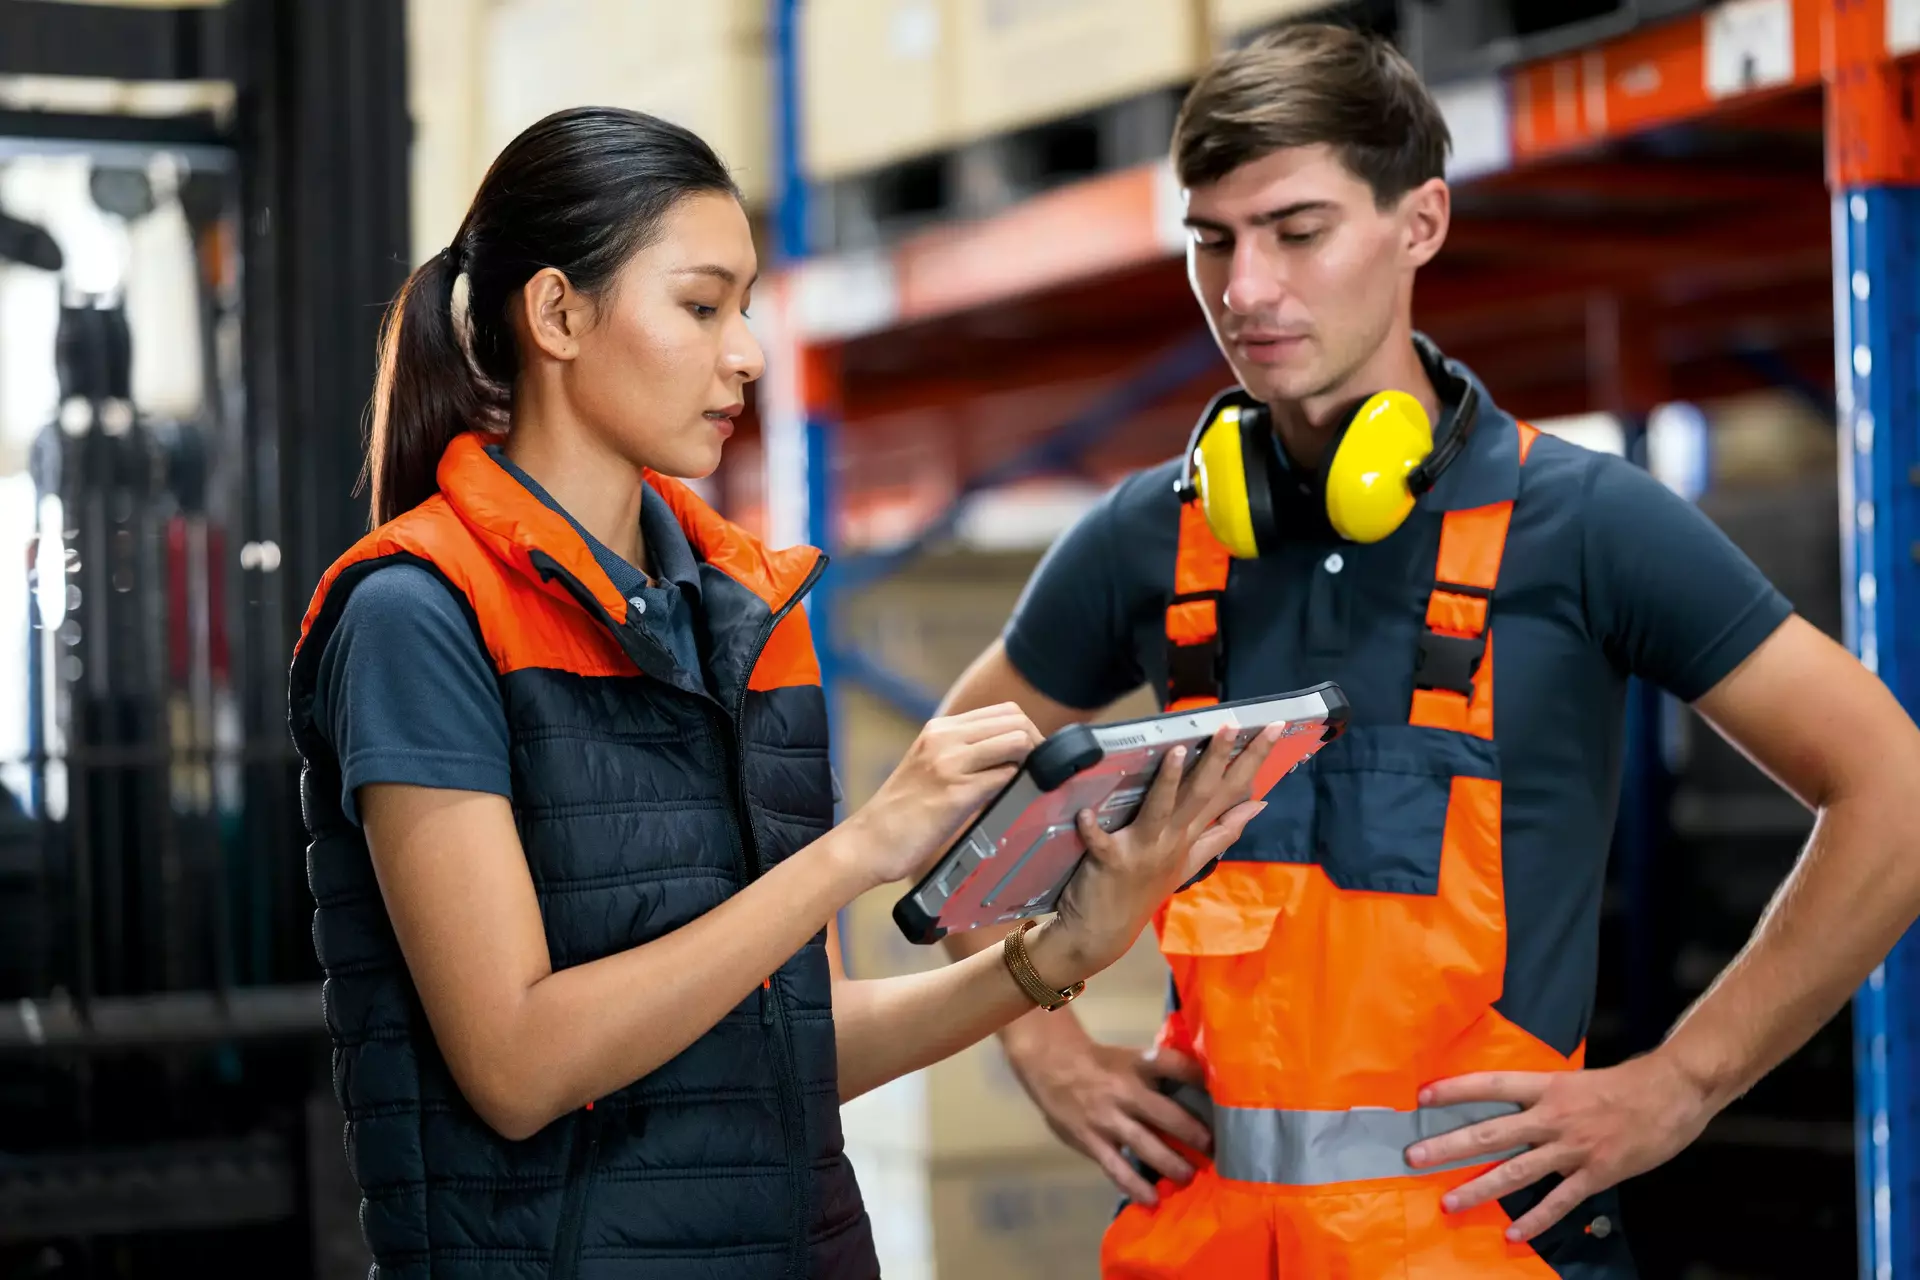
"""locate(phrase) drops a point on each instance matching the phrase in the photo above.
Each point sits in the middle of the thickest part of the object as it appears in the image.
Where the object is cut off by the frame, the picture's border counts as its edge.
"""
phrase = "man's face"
(1302, 277)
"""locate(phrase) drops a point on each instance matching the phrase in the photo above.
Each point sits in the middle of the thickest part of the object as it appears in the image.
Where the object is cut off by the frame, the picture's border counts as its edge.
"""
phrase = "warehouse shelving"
(1774, 139)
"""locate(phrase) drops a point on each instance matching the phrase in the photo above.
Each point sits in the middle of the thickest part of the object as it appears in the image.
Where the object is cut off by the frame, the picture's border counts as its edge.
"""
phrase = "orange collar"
(513, 524)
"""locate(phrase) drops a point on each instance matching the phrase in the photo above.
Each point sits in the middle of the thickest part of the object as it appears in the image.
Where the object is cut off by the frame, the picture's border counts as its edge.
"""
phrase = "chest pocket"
(1371, 808)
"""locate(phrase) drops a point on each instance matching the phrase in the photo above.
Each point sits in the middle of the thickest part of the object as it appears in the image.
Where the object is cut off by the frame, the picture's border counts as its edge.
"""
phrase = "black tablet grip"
(1065, 754)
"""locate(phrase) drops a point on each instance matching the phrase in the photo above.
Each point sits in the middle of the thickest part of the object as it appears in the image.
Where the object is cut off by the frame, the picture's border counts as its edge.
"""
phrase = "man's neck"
(1306, 427)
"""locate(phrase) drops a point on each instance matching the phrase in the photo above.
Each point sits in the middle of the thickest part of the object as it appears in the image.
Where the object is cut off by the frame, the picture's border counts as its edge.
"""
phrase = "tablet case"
(1026, 859)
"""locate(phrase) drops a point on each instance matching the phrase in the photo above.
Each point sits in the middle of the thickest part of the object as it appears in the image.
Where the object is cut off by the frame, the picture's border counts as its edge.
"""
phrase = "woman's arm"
(884, 1028)
(527, 1044)
(888, 1027)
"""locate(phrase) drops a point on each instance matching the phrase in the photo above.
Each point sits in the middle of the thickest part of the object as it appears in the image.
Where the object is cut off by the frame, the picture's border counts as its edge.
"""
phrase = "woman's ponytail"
(579, 191)
(425, 391)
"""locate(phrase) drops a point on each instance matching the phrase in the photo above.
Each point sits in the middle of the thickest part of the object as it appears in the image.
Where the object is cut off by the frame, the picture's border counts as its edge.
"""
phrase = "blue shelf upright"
(807, 415)
(1874, 176)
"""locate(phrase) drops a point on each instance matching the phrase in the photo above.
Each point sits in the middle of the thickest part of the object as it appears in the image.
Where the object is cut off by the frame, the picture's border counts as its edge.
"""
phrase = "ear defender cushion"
(1259, 455)
(1220, 472)
(1366, 480)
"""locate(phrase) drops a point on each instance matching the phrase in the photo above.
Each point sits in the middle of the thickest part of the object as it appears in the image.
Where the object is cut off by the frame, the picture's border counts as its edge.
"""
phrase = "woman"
(567, 781)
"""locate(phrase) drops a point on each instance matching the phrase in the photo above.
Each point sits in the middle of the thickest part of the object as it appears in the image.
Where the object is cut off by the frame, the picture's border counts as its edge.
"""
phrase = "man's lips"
(1261, 346)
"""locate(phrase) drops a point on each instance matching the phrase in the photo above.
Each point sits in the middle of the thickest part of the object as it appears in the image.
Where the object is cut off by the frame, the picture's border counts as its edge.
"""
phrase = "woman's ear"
(553, 312)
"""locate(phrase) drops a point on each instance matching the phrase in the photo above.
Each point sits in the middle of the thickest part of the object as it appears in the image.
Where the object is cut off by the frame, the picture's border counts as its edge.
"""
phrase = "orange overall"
(1321, 993)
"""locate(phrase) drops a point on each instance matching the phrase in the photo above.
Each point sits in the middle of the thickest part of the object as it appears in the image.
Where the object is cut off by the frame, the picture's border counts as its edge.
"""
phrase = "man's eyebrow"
(1281, 214)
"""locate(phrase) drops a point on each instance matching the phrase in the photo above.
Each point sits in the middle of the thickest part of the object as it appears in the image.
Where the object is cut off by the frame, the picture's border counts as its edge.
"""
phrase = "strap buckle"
(1193, 670)
(1448, 662)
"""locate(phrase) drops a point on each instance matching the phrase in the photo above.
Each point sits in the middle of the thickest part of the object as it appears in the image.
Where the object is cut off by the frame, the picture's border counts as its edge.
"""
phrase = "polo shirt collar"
(667, 543)
(1487, 470)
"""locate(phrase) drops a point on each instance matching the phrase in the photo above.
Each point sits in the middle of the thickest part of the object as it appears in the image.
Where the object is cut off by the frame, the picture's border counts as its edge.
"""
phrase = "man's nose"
(1254, 281)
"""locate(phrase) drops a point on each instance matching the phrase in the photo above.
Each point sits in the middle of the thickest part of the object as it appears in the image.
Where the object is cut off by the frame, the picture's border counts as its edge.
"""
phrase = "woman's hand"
(1185, 821)
(953, 768)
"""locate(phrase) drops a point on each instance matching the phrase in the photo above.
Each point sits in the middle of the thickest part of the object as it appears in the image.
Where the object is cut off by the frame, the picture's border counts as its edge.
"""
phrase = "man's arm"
(1671, 596)
(1805, 711)
(1808, 713)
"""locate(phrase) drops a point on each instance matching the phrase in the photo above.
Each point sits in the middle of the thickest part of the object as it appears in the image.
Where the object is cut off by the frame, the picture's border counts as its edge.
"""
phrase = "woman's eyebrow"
(715, 270)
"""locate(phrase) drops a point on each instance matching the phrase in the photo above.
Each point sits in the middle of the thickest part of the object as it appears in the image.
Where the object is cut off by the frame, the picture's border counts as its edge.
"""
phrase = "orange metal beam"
(1871, 131)
(1656, 76)
(1092, 227)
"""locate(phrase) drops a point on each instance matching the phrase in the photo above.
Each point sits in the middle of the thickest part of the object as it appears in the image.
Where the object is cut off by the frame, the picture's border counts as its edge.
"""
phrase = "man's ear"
(554, 313)
(1426, 212)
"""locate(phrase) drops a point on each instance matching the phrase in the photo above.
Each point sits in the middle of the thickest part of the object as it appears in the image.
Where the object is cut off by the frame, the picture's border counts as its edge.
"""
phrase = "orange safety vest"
(1319, 1011)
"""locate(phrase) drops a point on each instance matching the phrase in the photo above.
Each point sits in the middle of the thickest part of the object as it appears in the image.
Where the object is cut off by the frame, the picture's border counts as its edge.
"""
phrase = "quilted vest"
(642, 800)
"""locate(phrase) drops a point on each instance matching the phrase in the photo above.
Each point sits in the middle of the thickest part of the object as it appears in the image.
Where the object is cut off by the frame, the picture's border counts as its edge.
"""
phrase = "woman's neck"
(599, 489)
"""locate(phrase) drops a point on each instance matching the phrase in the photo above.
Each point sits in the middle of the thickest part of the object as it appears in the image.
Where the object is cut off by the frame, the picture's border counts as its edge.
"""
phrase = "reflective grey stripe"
(1312, 1148)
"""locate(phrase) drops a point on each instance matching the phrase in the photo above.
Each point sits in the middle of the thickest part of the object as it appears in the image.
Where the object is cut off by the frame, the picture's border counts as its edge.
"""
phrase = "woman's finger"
(1247, 767)
(985, 727)
(1204, 806)
(1163, 794)
(1220, 837)
(1206, 771)
(1008, 747)
(1101, 845)
(988, 712)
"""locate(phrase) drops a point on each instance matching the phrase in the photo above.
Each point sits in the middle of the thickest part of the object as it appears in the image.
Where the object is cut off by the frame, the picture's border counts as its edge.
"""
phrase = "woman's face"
(662, 368)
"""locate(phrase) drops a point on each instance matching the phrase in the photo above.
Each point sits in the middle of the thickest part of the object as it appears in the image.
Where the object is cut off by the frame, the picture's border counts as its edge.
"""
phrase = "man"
(1385, 986)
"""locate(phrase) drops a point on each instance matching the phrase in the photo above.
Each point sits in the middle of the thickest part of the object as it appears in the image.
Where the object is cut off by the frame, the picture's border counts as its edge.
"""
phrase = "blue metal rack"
(1877, 341)
(793, 213)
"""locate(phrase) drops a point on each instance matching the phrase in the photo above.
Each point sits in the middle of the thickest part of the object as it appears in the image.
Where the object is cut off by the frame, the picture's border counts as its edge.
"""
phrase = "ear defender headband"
(1384, 458)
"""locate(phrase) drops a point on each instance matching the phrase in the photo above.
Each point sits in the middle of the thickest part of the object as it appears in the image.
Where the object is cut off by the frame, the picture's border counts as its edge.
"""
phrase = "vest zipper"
(582, 1160)
(773, 1012)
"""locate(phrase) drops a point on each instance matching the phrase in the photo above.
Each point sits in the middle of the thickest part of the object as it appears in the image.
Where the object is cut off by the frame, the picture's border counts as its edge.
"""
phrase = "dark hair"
(1308, 84)
(582, 191)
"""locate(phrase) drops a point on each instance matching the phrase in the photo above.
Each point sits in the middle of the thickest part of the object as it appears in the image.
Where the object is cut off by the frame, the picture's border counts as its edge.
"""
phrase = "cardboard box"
(933, 619)
(1020, 62)
(446, 99)
(1030, 1217)
(876, 82)
(1231, 19)
(972, 1104)
(1020, 1219)
(705, 66)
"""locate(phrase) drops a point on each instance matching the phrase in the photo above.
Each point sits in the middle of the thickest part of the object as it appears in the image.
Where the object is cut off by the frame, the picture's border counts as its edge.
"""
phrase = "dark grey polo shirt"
(405, 692)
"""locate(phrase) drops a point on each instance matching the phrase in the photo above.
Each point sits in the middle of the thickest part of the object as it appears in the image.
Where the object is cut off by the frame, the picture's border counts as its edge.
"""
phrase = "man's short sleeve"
(1669, 595)
(1068, 636)
(406, 694)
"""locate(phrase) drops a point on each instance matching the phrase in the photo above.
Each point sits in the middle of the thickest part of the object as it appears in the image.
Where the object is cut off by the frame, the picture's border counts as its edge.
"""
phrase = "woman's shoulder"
(403, 599)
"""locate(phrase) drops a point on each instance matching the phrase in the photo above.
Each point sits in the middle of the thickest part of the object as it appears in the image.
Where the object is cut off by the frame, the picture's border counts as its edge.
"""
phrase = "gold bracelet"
(1020, 965)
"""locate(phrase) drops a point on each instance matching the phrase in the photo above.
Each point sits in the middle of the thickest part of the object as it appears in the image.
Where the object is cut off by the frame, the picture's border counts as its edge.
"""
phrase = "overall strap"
(1196, 667)
(1453, 673)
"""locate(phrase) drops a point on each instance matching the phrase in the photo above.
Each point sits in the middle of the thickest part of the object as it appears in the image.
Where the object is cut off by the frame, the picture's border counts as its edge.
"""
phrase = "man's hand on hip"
(1597, 1128)
(1100, 1098)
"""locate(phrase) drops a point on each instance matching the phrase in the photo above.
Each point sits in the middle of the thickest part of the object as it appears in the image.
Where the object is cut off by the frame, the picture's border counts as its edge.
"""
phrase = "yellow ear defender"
(1366, 479)
(1384, 458)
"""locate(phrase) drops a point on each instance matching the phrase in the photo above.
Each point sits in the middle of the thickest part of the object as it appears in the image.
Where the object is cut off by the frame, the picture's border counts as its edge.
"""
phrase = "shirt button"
(639, 605)
(1601, 1227)
(1335, 563)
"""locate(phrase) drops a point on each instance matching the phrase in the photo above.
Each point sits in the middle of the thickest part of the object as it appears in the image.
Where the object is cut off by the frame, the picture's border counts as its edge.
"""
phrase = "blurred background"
(977, 320)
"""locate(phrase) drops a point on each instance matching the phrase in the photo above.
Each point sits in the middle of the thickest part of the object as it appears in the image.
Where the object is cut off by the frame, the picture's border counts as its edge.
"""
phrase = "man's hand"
(1596, 1128)
(1099, 1098)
